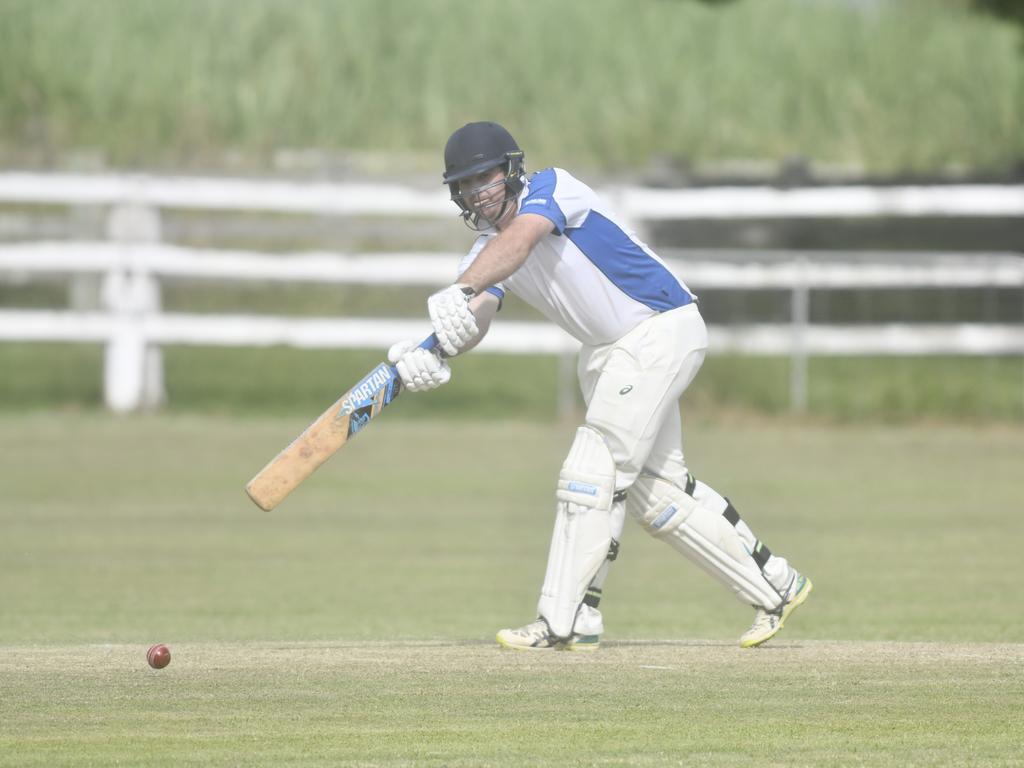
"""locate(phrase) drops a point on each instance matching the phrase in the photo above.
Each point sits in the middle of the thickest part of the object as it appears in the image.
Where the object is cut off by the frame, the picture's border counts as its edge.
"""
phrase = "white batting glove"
(420, 369)
(454, 323)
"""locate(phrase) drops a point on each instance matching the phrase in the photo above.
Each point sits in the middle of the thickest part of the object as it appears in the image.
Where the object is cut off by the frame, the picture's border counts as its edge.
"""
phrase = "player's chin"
(490, 213)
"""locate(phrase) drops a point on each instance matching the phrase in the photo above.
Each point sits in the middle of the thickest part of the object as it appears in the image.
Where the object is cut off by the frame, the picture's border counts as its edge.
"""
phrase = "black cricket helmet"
(473, 149)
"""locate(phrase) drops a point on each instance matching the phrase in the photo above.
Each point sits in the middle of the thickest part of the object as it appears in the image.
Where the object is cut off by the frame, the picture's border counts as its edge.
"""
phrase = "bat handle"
(431, 342)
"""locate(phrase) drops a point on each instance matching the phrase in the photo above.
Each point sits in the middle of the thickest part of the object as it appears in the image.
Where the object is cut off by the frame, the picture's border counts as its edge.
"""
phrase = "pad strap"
(761, 552)
(708, 538)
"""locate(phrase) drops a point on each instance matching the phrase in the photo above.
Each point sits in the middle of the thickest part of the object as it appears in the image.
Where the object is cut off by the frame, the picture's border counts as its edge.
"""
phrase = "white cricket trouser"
(632, 389)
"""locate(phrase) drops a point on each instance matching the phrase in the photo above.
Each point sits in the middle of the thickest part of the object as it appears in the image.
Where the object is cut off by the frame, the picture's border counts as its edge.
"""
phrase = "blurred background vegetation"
(879, 86)
(653, 91)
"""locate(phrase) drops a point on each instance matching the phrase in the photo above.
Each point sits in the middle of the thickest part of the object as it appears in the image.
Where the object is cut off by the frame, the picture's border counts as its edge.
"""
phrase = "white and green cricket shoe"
(536, 636)
(768, 623)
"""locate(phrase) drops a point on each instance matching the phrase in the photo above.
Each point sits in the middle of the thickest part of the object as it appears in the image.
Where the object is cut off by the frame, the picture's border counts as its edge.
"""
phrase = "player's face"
(485, 193)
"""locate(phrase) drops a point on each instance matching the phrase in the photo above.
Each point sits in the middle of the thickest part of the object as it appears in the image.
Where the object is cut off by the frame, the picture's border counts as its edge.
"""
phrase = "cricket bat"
(335, 426)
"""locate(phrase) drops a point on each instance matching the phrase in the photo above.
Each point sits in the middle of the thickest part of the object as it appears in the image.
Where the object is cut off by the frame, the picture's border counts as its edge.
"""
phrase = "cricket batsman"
(553, 242)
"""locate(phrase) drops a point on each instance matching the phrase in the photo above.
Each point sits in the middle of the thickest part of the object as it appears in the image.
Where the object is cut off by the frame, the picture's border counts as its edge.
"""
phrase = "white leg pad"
(582, 535)
(705, 537)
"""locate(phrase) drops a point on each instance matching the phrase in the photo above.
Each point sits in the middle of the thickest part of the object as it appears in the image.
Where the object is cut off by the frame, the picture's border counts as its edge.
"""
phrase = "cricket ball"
(158, 656)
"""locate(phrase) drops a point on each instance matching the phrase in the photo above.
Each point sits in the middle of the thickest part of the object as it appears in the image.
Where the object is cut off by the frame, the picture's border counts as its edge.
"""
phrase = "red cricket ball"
(158, 656)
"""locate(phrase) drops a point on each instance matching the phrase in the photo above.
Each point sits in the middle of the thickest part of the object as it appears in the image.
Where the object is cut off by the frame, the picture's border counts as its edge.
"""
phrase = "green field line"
(368, 704)
(354, 625)
(279, 380)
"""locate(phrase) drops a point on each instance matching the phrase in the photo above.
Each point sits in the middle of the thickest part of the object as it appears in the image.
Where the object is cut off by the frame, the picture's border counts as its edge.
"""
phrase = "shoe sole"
(798, 599)
(586, 646)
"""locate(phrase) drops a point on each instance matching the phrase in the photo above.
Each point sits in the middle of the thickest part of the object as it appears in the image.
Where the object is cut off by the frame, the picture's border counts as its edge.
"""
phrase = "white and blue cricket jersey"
(591, 275)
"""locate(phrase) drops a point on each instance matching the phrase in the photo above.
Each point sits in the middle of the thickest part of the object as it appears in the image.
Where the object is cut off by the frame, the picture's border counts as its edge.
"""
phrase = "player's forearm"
(496, 262)
(506, 253)
(484, 306)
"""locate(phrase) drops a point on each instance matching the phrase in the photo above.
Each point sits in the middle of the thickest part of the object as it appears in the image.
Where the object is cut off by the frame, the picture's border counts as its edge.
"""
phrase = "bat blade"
(324, 437)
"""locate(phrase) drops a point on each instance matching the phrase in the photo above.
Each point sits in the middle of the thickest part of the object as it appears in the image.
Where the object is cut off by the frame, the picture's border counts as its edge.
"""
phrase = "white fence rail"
(635, 203)
(777, 270)
(133, 327)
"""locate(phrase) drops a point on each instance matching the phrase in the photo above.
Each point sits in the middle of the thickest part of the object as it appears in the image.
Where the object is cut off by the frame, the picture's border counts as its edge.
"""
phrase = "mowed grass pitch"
(353, 626)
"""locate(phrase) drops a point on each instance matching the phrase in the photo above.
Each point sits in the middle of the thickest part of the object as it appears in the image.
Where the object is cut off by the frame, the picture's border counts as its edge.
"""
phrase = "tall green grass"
(897, 86)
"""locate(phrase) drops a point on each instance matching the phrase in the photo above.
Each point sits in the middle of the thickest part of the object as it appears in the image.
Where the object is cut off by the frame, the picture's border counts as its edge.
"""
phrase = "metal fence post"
(1022, 349)
(132, 367)
(566, 404)
(800, 309)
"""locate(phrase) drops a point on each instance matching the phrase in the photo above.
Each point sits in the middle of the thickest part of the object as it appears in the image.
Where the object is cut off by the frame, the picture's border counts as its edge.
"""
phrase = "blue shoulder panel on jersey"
(626, 264)
(540, 199)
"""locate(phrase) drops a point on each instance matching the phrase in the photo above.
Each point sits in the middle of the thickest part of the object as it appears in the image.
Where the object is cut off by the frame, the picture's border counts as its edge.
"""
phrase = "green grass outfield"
(300, 382)
(354, 625)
